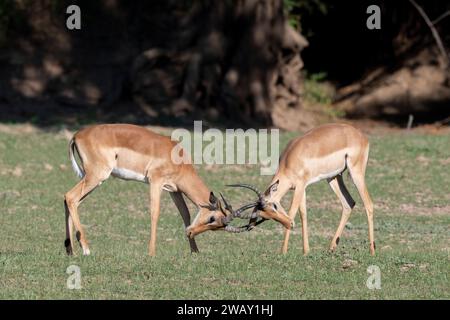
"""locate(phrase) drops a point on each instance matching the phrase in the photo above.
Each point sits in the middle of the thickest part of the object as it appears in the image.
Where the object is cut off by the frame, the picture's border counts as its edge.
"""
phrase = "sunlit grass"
(407, 176)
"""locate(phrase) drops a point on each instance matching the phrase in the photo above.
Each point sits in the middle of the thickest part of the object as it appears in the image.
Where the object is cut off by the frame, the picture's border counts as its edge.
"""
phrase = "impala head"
(215, 216)
(267, 206)
(211, 216)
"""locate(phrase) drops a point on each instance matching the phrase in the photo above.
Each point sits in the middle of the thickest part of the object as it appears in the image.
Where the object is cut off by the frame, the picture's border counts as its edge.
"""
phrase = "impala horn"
(260, 203)
(253, 217)
(241, 185)
(235, 213)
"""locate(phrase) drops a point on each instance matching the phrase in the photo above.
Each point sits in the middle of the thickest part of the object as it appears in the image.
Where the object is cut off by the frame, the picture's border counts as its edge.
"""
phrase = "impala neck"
(194, 188)
(283, 187)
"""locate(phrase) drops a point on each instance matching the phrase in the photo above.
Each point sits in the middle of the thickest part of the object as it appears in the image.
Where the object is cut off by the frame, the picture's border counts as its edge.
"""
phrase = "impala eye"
(275, 206)
(211, 219)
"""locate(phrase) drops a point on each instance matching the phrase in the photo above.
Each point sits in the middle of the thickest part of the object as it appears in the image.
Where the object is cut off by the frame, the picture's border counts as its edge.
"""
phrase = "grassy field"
(408, 177)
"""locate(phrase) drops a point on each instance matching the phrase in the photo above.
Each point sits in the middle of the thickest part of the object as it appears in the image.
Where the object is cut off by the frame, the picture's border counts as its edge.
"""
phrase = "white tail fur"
(78, 170)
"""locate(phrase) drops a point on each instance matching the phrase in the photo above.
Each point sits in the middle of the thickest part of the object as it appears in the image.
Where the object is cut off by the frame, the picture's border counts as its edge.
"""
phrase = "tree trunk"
(175, 59)
(239, 60)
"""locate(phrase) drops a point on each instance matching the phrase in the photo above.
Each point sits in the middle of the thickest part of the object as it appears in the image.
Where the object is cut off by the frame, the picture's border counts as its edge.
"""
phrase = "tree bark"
(240, 59)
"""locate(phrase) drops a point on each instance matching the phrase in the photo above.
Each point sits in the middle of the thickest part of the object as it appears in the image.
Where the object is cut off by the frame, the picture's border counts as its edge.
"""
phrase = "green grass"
(316, 91)
(408, 177)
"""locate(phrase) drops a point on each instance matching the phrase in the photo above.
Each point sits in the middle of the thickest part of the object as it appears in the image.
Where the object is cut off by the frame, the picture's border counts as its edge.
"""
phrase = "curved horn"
(227, 205)
(260, 195)
(259, 203)
(234, 229)
(238, 212)
(227, 219)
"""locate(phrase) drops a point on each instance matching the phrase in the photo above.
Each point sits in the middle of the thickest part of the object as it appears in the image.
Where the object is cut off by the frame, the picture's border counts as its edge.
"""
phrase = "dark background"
(229, 62)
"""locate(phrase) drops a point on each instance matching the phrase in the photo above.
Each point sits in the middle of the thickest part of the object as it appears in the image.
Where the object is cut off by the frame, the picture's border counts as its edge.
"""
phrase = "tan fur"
(134, 152)
(322, 153)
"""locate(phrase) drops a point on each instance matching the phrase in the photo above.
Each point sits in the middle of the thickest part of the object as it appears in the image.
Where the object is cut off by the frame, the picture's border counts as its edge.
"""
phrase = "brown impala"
(322, 153)
(134, 153)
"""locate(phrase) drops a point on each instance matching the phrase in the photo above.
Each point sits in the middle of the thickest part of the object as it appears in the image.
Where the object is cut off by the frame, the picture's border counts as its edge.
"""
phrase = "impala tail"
(76, 167)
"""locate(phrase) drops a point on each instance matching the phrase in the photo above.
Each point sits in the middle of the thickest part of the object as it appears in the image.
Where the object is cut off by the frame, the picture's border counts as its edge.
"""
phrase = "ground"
(407, 176)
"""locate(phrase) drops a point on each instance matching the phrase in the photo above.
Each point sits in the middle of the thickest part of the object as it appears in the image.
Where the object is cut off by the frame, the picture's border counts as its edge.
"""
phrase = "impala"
(322, 153)
(134, 153)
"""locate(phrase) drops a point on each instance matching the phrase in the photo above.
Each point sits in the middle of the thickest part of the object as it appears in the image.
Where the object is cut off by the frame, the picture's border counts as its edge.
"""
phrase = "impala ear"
(212, 199)
(213, 203)
(272, 188)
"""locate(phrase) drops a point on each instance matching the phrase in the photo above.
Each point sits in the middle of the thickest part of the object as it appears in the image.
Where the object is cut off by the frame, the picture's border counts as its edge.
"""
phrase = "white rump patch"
(127, 174)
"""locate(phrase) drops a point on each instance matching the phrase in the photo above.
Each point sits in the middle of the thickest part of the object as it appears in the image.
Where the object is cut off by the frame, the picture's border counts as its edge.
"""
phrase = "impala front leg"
(299, 190)
(155, 200)
(177, 198)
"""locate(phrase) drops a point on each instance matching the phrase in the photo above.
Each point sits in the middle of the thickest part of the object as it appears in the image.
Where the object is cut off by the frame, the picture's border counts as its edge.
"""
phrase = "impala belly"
(127, 174)
(326, 167)
(323, 176)
(130, 165)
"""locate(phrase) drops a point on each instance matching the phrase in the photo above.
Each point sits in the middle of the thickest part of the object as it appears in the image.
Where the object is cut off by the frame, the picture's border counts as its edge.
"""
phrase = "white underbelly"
(127, 174)
(326, 175)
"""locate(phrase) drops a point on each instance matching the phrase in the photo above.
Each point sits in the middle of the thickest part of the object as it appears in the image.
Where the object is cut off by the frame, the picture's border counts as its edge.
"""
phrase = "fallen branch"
(442, 122)
(442, 16)
(434, 32)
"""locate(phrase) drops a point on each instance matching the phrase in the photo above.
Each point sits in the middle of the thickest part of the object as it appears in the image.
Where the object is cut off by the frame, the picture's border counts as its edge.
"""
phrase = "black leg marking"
(374, 245)
(337, 240)
(178, 199)
(193, 245)
(68, 247)
(345, 192)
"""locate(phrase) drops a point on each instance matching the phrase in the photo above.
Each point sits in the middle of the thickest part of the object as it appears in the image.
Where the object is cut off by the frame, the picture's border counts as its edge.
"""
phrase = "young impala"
(134, 153)
(322, 153)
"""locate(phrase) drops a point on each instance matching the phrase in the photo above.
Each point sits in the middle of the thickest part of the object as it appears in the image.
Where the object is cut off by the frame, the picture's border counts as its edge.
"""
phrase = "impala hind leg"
(295, 204)
(177, 198)
(72, 200)
(304, 219)
(338, 186)
(357, 173)
(68, 243)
